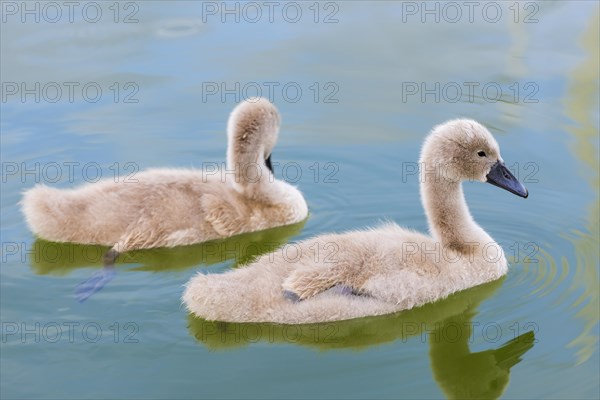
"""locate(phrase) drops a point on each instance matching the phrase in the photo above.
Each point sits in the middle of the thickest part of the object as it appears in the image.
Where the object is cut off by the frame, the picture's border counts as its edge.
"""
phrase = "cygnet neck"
(450, 221)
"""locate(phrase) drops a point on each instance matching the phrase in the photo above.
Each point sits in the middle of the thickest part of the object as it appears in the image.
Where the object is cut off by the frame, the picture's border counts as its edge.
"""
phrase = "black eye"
(481, 154)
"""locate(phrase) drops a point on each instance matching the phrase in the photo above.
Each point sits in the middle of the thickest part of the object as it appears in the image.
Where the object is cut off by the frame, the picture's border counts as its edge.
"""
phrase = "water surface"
(354, 134)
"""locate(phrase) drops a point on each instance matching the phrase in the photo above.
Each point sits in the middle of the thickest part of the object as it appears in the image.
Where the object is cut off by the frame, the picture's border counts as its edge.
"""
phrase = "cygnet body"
(380, 270)
(172, 207)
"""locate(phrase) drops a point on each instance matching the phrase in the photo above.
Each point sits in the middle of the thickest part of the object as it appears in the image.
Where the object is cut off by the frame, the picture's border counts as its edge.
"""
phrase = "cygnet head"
(463, 149)
(252, 132)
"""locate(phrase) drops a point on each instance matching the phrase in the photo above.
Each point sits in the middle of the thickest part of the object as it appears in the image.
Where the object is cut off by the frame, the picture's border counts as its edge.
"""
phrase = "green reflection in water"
(462, 374)
(458, 372)
(581, 105)
(50, 258)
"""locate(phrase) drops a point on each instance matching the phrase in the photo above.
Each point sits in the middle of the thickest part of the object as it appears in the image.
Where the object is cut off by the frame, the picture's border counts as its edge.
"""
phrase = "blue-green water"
(374, 78)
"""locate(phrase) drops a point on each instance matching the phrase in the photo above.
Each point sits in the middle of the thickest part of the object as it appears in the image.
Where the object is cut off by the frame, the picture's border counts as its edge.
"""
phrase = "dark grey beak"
(502, 177)
(268, 163)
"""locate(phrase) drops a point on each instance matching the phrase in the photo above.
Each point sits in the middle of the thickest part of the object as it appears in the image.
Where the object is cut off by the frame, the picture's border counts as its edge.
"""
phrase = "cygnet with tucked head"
(173, 207)
(381, 270)
(252, 132)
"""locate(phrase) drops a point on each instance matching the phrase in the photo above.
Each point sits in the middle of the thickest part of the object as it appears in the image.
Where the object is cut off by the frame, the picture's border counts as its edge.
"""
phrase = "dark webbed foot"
(110, 257)
(341, 290)
(99, 279)
(94, 283)
(291, 296)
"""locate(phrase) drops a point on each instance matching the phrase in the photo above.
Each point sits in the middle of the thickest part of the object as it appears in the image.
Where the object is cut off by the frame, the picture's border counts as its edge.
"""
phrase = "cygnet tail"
(231, 297)
(51, 213)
